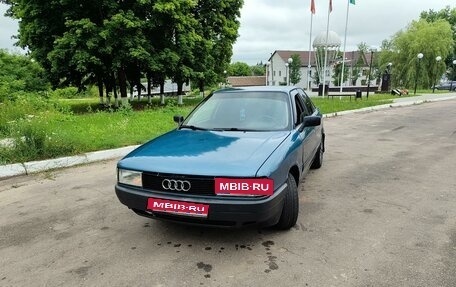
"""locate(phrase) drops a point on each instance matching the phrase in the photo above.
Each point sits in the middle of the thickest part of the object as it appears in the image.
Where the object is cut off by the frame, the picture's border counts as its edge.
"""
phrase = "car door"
(299, 109)
(312, 134)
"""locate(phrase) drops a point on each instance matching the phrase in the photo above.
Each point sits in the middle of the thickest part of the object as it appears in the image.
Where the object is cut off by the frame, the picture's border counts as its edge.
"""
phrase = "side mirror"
(178, 119)
(309, 121)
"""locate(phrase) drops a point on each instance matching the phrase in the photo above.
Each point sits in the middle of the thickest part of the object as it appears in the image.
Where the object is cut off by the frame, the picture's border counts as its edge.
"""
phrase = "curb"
(17, 169)
(388, 106)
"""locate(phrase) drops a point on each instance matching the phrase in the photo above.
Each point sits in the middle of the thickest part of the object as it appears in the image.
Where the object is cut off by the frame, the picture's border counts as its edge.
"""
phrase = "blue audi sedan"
(236, 160)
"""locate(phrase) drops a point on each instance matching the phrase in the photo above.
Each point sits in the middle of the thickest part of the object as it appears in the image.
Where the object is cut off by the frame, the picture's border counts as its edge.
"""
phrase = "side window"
(308, 103)
(299, 107)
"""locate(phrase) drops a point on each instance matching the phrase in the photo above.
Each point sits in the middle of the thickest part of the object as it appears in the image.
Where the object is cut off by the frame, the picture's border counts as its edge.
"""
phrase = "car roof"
(285, 89)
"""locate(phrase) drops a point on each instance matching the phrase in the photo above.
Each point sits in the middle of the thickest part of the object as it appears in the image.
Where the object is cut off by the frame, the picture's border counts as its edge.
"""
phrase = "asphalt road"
(380, 212)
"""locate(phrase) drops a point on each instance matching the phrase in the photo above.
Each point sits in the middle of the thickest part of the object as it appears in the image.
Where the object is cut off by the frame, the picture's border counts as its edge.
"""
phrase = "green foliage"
(239, 69)
(258, 70)
(448, 14)
(116, 43)
(19, 73)
(125, 109)
(52, 130)
(33, 141)
(68, 93)
(22, 108)
(360, 62)
(430, 38)
(338, 71)
(295, 69)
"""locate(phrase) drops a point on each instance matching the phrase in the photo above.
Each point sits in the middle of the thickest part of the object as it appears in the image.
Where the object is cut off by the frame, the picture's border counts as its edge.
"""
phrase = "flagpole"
(309, 65)
(345, 44)
(326, 50)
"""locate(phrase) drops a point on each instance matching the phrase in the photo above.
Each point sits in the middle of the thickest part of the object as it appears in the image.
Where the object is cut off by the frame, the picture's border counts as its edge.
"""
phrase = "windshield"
(242, 110)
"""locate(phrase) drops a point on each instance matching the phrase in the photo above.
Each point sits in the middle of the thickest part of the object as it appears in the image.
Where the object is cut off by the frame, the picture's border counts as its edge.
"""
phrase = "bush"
(70, 93)
(32, 141)
(125, 109)
(20, 73)
(28, 107)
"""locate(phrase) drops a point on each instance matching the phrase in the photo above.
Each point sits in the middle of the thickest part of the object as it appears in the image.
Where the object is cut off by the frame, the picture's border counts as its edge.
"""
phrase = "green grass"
(428, 91)
(334, 104)
(103, 130)
(53, 128)
(86, 126)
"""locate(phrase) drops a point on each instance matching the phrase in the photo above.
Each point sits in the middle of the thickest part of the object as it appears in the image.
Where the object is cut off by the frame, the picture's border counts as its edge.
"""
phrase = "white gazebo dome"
(333, 40)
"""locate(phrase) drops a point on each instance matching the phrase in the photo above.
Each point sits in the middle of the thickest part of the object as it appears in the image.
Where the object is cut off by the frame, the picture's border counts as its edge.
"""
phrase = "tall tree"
(239, 69)
(448, 14)
(218, 24)
(258, 70)
(115, 43)
(338, 71)
(432, 40)
(359, 63)
(40, 24)
(295, 69)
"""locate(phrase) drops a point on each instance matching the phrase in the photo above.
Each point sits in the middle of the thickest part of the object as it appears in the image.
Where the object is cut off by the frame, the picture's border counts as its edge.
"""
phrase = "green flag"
(352, 2)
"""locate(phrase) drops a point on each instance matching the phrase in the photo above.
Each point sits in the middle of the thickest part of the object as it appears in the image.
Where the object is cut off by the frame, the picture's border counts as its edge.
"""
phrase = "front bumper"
(223, 211)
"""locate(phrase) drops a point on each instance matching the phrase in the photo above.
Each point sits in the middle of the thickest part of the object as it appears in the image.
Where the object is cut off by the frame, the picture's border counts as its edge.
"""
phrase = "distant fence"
(169, 89)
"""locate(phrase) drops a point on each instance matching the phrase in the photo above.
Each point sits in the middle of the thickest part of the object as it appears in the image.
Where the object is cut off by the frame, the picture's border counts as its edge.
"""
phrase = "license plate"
(178, 207)
(244, 186)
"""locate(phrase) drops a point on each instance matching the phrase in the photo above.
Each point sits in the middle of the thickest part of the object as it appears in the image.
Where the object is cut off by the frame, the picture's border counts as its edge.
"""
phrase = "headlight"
(129, 177)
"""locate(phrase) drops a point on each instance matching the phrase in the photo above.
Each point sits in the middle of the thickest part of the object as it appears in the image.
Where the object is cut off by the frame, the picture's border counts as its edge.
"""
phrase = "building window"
(274, 73)
(280, 73)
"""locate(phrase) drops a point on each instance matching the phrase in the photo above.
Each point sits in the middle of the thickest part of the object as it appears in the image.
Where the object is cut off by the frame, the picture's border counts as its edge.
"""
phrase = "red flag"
(330, 6)
(312, 6)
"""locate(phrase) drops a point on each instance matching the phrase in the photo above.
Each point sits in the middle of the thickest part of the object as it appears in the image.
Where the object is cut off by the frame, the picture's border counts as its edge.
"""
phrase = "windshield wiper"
(194, 128)
(234, 129)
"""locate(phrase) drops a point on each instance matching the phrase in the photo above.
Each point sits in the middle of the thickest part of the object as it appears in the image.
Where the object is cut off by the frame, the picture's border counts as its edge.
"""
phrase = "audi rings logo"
(176, 185)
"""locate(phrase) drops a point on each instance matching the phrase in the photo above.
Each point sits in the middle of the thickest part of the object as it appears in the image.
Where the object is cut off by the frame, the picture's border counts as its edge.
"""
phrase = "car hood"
(213, 153)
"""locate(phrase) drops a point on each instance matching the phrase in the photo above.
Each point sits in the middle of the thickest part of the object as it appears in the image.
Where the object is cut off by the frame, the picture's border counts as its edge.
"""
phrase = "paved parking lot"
(380, 212)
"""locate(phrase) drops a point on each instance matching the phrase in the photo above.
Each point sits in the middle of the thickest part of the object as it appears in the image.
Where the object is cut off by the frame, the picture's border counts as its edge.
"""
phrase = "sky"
(269, 25)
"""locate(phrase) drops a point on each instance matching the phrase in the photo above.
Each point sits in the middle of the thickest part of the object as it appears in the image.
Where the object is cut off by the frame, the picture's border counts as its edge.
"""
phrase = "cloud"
(8, 29)
(271, 25)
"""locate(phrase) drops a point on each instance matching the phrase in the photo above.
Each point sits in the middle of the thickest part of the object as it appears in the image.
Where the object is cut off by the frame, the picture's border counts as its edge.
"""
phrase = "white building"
(278, 72)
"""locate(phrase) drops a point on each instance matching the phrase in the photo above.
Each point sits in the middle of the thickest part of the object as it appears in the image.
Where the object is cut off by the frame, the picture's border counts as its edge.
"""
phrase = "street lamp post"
(224, 78)
(267, 70)
(437, 59)
(309, 78)
(290, 60)
(286, 74)
(369, 75)
(389, 67)
(419, 56)
(451, 79)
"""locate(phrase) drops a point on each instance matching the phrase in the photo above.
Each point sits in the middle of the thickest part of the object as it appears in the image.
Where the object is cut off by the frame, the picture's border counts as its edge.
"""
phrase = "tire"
(290, 209)
(318, 158)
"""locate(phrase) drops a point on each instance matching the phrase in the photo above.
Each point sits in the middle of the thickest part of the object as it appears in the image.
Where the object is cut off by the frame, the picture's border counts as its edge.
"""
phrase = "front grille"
(200, 185)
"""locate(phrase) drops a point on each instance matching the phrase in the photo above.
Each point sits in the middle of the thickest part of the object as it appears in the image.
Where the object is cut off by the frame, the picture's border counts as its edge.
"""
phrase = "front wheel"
(290, 209)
